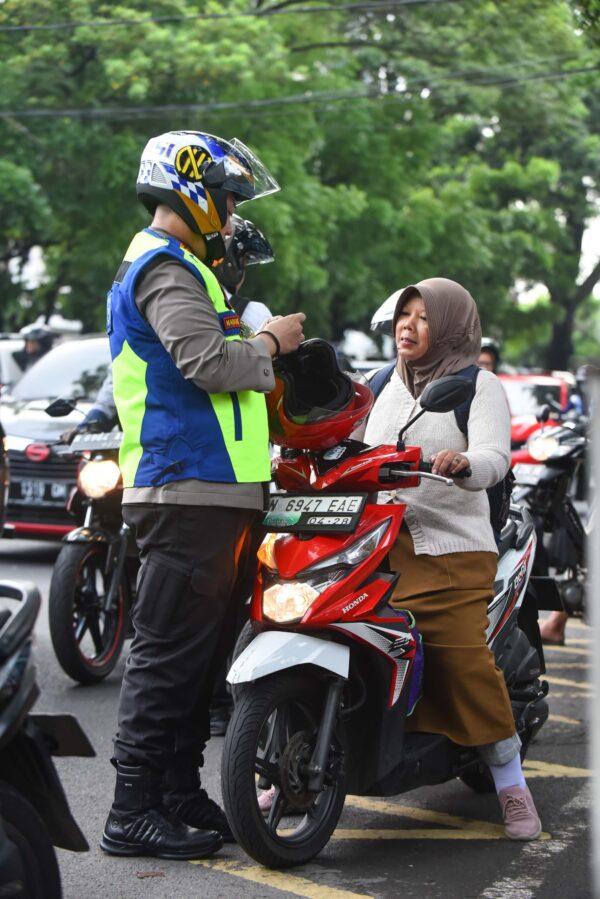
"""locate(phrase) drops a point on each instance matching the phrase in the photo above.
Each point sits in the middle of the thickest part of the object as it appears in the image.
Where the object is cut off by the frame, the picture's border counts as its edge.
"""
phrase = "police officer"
(194, 458)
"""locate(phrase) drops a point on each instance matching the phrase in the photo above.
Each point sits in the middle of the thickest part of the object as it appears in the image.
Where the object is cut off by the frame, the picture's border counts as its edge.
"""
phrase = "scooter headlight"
(97, 478)
(288, 601)
(541, 447)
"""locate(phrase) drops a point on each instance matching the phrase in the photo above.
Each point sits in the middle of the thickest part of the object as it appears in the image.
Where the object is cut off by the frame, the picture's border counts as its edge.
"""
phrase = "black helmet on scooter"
(248, 246)
(314, 405)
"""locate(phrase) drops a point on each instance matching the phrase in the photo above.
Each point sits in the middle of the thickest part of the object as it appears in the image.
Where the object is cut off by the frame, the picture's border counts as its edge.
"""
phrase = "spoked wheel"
(87, 640)
(269, 743)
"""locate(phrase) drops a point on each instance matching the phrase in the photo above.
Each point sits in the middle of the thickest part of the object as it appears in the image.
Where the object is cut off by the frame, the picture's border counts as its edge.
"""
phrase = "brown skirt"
(464, 693)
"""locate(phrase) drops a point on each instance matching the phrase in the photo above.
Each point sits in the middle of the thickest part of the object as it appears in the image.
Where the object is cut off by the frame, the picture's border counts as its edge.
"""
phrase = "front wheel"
(87, 639)
(25, 829)
(269, 743)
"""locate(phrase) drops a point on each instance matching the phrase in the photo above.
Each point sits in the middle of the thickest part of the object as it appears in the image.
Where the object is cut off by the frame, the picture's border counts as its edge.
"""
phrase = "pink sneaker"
(265, 800)
(521, 820)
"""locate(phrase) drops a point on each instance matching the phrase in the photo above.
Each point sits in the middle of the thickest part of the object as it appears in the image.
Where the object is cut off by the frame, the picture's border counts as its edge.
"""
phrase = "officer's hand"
(288, 331)
(68, 436)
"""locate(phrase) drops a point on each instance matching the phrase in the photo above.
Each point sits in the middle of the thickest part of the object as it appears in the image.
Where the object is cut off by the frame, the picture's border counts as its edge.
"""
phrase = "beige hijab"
(454, 332)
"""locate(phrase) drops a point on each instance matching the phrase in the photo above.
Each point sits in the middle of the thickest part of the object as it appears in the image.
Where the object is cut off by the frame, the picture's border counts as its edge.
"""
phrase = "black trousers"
(184, 616)
(221, 698)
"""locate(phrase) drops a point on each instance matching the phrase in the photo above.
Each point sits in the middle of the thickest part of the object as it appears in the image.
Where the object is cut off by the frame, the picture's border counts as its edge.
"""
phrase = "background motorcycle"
(549, 488)
(34, 810)
(93, 580)
(324, 689)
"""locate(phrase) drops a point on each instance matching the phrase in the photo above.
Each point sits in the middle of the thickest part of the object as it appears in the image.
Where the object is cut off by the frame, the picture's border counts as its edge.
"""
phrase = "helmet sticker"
(190, 162)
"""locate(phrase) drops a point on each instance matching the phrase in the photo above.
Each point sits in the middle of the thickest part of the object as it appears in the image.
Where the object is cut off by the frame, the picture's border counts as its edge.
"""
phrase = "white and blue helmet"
(192, 172)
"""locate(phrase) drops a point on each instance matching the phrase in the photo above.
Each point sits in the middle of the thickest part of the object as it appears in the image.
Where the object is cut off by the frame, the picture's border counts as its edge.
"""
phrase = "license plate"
(314, 514)
(36, 492)
(527, 474)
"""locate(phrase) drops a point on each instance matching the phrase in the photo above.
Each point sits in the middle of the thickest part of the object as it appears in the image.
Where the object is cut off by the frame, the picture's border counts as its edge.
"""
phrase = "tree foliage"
(427, 139)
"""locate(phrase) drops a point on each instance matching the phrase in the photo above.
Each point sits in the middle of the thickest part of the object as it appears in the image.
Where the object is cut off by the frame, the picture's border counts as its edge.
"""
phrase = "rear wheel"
(87, 640)
(269, 742)
(27, 832)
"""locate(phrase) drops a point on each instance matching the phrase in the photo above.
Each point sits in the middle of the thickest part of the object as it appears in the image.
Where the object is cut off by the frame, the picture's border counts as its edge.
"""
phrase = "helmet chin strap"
(215, 248)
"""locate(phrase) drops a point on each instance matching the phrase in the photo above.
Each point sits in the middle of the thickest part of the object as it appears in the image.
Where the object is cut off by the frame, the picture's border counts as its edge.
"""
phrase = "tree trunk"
(560, 349)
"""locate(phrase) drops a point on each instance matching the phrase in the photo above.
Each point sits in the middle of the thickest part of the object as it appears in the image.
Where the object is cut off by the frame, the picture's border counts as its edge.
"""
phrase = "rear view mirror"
(443, 395)
(59, 408)
(543, 413)
(446, 394)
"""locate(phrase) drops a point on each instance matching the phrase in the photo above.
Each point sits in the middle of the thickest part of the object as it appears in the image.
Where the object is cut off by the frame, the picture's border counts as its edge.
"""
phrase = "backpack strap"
(239, 303)
(380, 378)
(461, 413)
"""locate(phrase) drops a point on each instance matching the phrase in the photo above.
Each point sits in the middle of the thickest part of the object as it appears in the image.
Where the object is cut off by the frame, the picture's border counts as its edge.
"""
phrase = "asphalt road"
(443, 841)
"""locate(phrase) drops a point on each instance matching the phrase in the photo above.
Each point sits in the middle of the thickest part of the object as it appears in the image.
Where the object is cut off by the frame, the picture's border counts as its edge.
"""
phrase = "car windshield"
(526, 397)
(74, 369)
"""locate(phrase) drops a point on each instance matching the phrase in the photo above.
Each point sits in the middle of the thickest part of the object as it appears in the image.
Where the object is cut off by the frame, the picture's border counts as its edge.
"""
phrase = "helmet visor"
(241, 172)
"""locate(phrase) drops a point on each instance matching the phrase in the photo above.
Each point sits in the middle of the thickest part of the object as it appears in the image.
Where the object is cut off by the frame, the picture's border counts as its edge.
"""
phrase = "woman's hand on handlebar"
(448, 463)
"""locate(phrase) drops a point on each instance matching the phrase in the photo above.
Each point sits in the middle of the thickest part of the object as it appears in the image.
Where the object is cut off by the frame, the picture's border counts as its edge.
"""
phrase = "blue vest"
(172, 429)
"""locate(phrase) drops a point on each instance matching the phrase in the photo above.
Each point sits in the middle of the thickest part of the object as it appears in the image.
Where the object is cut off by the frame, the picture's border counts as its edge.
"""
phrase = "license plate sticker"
(36, 492)
(527, 474)
(314, 514)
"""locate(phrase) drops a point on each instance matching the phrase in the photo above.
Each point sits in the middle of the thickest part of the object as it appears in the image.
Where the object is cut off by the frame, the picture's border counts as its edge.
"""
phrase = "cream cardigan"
(445, 519)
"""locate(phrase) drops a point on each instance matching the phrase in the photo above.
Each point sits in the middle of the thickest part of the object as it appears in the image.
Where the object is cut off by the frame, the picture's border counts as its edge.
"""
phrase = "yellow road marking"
(578, 625)
(289, 883)
(570, 694)
(385, 807)
(567, 649)
(534, 768)
(562, 719)
(417, 833)
(561, 665)
(455, 827)
(579, 640)
(565, 682)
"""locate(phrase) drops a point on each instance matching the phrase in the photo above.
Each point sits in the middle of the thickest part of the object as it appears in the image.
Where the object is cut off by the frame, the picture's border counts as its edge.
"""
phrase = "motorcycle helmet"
(314, 404)
(492, 347)
(384, 315)
(192, 172)
(248, 246)
(41, 334)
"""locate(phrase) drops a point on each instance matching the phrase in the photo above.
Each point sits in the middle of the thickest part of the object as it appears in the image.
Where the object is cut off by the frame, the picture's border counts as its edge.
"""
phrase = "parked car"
(41, 481)
(11, 346)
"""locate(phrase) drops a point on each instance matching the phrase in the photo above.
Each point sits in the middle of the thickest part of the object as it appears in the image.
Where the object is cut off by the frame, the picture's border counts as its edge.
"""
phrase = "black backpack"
(498, 495)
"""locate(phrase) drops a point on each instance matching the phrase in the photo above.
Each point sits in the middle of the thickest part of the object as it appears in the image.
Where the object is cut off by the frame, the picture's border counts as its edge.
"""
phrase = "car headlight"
(541, 447)
(288, 601)
(97, 478)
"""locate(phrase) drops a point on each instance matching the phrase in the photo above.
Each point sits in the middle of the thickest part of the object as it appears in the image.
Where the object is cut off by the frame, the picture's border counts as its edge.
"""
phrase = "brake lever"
(421, 474)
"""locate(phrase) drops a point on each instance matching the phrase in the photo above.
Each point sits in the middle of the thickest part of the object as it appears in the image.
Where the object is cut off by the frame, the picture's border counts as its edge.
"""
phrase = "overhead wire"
(116, 112)
(373, 6)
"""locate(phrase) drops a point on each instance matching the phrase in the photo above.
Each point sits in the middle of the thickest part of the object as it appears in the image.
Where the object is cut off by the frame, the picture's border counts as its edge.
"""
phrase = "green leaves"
(427, 140)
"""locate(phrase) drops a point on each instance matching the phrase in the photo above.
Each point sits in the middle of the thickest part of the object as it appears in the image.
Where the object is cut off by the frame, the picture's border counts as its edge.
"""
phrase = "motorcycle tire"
(87, 641)
(245, 638)
(27, 832)
(279, 717)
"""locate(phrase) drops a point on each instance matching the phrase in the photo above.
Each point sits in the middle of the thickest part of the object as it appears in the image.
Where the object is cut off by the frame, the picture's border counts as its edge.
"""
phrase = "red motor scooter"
(331, 671)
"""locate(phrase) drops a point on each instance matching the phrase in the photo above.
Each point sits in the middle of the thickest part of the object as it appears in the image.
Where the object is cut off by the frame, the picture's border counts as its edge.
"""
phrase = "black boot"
(190, 804)
(138, 823)
(219, 719)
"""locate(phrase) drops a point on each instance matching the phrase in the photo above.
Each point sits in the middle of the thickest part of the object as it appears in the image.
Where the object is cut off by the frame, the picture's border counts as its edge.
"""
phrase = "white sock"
(509, 775)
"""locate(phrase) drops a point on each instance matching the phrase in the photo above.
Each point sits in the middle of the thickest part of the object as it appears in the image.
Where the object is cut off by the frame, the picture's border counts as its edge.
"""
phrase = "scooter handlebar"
(426, 467)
